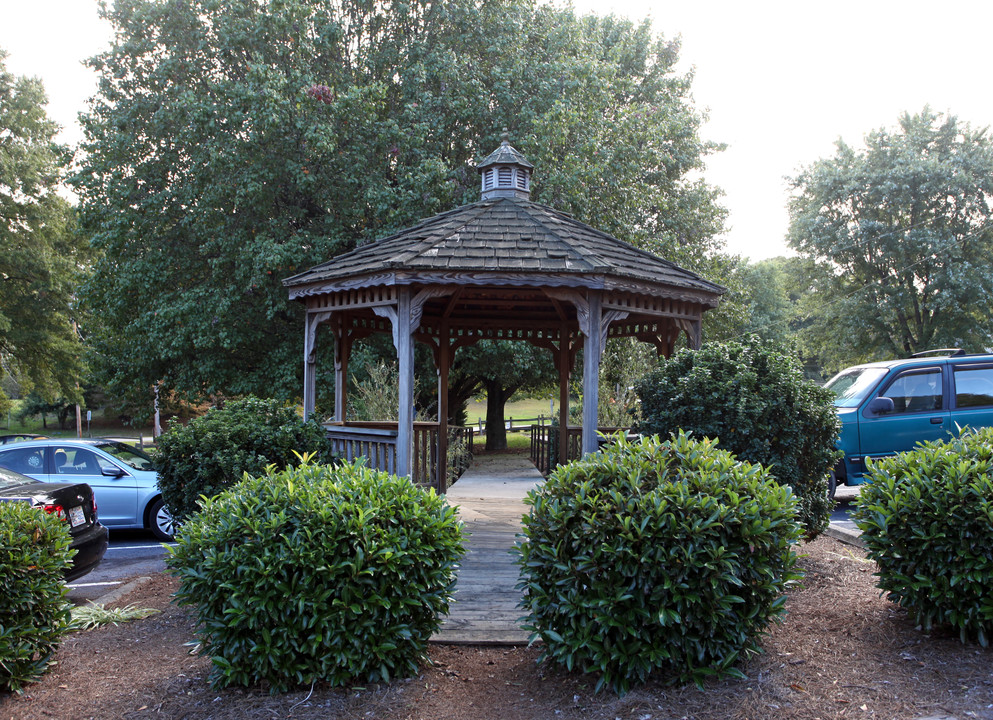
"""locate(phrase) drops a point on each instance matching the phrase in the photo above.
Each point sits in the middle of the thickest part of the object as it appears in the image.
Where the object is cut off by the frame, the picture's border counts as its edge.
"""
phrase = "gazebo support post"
(405, 317)
(592, 350)
(696, 334)
(309, 371)
(342, 349)
(594, 323)
(444, 363)
(404, 342)
(311, 322)
(565, 368)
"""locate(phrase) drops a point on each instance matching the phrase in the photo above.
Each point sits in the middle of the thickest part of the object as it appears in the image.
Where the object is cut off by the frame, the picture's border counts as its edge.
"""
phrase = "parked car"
(73, 502)
(889, 407)
(124, 482)
(4, 439)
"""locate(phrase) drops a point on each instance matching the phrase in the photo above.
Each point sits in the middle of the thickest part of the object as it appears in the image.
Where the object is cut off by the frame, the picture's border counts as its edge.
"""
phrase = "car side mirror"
(114, 472)
(881, 405)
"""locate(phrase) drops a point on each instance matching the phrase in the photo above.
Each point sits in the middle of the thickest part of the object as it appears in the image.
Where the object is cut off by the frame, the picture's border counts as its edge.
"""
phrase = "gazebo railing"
(460, 439)
(377, 442)
(545, 445)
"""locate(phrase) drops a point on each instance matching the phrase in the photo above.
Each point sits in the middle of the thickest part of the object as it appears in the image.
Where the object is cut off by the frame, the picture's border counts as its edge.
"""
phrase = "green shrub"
(212, 452)
(326, 573)
(666, 557)
(752, 396)
(34, 612)
(926, 518)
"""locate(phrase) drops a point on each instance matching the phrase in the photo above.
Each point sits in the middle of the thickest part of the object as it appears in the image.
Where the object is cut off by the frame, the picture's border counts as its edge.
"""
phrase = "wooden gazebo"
(501, 268)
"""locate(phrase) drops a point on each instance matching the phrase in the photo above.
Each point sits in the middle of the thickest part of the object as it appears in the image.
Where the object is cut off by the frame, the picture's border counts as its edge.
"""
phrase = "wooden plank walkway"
(490, 500)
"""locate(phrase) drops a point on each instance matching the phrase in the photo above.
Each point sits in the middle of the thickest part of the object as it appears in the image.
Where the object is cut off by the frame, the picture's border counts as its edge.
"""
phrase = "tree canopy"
(902, 233)
(41, 256)
(234, 142)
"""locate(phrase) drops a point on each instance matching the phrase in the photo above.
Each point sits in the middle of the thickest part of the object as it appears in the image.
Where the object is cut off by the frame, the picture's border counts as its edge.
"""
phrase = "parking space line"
(99, 584)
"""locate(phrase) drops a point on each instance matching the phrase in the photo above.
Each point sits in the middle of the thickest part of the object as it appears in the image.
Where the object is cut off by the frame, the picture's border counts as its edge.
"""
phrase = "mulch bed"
(842, 652)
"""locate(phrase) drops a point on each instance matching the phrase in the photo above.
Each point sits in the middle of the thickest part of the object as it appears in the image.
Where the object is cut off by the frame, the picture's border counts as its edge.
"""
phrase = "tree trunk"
(496, 431)
(461, 390)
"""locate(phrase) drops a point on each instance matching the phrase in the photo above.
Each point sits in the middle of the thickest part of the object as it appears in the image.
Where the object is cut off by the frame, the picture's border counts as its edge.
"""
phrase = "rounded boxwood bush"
(752, 397)
(926, 518)
(34, 611)
(668, 557)
(213, 451)
(318, 573)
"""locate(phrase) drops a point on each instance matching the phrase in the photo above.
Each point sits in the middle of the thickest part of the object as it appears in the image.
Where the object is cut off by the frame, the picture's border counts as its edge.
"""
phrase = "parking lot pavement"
(134, 553)
(842, 527)
(130, 554)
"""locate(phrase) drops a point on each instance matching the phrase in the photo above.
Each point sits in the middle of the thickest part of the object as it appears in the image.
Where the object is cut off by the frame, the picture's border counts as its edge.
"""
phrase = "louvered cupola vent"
(505, 173)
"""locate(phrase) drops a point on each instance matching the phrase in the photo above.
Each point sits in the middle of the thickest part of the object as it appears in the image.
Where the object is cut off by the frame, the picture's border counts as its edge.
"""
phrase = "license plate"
(76, 516)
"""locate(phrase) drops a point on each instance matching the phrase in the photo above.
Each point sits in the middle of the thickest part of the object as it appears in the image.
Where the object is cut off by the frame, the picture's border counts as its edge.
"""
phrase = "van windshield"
(851, 386)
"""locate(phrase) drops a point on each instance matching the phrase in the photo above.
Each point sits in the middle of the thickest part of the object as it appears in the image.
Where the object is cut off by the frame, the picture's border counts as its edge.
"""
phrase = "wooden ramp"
(490, 500)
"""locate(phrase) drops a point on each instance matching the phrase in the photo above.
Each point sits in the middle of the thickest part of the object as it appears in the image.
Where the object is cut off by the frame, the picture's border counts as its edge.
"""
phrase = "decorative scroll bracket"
(605, 320)
(390, 313)
(692, 328)
(416, 311)
(582, 305)
(417, 303)
(313, 321)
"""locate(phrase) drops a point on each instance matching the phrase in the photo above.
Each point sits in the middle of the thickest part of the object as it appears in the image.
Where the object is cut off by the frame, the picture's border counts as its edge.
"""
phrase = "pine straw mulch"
(842, 652)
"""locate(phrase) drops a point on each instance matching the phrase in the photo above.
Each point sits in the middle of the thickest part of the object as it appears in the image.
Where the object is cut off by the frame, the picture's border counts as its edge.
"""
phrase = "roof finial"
(505, 172)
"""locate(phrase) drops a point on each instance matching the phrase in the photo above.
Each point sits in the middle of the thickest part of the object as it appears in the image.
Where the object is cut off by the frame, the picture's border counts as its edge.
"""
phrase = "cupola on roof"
(505, 172)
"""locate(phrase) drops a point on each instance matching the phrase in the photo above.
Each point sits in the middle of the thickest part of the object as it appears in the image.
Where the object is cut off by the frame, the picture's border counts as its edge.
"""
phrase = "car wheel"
(832, 484)
(160, 521)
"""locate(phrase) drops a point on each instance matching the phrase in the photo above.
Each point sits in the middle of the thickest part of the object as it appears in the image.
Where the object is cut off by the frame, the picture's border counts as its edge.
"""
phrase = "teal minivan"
(889, 407)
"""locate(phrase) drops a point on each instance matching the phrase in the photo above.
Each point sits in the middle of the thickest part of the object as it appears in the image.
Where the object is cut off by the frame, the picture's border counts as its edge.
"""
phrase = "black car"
(73, 502)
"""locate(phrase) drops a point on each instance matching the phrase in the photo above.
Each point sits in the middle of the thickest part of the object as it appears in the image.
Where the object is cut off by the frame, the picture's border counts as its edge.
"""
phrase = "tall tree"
(502, 368)
(781, 304)
(770, 312)
(233, 142)
(41, 256)
(902, 229)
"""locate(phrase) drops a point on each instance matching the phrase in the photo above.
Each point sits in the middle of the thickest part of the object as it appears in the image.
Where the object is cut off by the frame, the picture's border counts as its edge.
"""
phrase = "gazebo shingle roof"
(503, 235)
(504, 155)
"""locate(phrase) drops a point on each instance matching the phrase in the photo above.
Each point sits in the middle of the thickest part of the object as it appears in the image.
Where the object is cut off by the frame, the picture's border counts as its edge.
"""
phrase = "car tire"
(832, 484)
(160, 521)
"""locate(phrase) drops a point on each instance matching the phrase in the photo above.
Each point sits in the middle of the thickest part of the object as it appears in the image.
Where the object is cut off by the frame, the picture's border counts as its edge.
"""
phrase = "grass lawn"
(100, 426)
(520, 410)
(516, 441)
(528, 408)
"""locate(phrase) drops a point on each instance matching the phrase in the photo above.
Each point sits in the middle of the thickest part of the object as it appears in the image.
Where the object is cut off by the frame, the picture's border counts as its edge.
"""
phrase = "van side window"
(973, 386)
(916, 391)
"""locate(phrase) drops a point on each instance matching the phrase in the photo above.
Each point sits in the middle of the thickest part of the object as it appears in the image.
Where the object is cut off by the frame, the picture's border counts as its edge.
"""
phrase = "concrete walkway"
(490, 500)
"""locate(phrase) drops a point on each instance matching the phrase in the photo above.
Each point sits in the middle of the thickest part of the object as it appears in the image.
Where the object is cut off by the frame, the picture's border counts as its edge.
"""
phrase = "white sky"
(781, 81)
